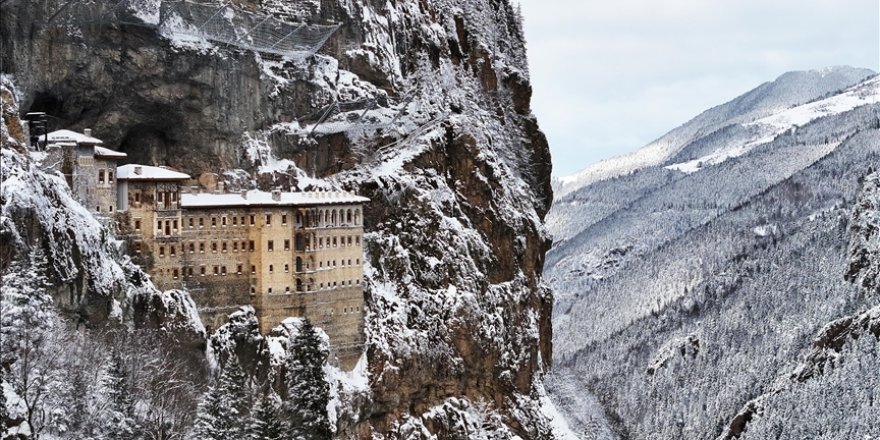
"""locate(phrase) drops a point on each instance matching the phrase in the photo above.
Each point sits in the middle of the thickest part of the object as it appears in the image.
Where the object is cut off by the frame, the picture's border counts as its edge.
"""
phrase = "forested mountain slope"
(725, 291)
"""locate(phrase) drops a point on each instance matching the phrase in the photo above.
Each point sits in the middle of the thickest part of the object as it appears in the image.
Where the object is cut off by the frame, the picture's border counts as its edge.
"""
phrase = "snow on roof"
(263, 198)
(146, 172)
(106, 152)
(72, 136)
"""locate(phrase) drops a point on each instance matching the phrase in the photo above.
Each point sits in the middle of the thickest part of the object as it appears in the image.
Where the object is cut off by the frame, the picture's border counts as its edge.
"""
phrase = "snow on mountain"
(730, 301)
(865, 93)
(790, 89)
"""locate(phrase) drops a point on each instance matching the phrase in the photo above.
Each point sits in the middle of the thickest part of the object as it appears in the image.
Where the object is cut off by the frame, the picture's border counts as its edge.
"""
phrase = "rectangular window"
(137, 225)
(223, 270)
(321, 243)
(283, 219)
(201, 222)
(161, 251)
(270, 290)
(238, 269)
(202, 247)
(271, 246)
(173, 251)
(253, 269)
(101, 176)
(137, 197)
(223, 221)
(192, 248)
(271, 268)
(110, 176)
(137, 248)
(214, 247)
(357, 241)
(223, 247)
(286, 268)
(174, 197)
(253, 220)
(234, 221)
(234, 246)
(286, 245)
(251, 245)
(175, 224)
(202, 271)
(268, 219)
(216, 270)
(213, 222)
(174, 273)
(190, 222)
(159, 225)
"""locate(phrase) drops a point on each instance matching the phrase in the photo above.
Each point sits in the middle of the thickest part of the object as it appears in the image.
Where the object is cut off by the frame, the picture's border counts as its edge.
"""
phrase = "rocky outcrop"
(455, 164)
(864, 249)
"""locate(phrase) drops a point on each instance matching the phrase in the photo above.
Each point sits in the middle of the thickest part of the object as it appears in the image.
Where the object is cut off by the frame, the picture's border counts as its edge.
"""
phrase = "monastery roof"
(72, 136)
(108, 153)
(263, 198)
(146, 172)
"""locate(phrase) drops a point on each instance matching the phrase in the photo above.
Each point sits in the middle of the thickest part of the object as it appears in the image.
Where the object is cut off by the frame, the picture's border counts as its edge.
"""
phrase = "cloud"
(609, 77)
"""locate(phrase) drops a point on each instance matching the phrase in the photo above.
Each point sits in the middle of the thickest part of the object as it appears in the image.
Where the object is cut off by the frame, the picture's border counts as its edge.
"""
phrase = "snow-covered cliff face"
(458, 323)
(728, 291)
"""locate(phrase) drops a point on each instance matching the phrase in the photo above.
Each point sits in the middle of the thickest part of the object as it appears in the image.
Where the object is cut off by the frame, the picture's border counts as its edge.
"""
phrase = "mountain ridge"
(789, 85)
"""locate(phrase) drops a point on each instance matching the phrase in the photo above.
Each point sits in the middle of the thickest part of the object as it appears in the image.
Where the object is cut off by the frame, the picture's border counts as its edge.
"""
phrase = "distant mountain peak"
(787, 90)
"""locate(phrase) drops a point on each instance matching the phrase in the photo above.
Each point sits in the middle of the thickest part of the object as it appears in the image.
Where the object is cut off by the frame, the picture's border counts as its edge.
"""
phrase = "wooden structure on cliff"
(190, 22)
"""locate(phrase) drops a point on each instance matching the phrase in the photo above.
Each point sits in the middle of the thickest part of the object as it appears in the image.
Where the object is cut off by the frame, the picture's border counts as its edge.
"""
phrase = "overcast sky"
(609, 76)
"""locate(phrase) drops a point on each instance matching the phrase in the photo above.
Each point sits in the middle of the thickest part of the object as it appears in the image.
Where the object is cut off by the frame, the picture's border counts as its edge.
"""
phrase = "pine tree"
(307, 388)
(223, 413)
(266, 422)
(120, 405)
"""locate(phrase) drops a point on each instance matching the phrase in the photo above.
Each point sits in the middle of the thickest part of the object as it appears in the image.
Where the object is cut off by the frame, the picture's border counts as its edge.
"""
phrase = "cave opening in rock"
(53, 106)
(149, 145)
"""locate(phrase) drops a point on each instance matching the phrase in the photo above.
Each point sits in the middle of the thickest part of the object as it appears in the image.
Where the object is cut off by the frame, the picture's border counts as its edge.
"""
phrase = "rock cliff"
(423, 106)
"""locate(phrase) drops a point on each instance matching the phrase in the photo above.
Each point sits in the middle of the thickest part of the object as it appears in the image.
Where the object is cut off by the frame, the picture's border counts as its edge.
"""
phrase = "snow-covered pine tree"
(307, 389)
(266, 420)
(223, 413)
(117, 383)
(4, 414)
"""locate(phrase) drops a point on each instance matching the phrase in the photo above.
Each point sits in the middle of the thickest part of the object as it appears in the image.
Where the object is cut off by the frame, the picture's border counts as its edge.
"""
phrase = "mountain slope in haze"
(788, 90)
(727, 298)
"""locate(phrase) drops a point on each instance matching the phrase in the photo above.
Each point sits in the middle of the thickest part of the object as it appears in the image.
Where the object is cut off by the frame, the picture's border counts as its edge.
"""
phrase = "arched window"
(299, 285)
(299, 264)
(357, 216)
(348, 216)
(333, 217)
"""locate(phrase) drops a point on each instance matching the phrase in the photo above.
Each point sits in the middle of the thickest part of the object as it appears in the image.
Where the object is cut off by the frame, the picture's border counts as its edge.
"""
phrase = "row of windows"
(307, 287)
(109, 176)
(329, 217)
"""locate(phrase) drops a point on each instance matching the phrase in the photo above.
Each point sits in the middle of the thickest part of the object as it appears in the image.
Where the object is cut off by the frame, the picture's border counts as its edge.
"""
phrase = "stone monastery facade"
(285, 253)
